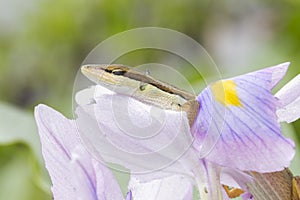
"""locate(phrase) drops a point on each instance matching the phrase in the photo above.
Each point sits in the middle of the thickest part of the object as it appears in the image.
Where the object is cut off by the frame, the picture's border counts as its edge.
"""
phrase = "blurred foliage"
(20, 174)
(41, 51)
(19, 126)
(21, 164)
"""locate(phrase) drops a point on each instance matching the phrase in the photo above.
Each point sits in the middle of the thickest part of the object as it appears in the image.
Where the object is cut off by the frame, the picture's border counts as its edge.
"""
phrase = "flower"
(242, 111)
(75, 174)
(236, 130)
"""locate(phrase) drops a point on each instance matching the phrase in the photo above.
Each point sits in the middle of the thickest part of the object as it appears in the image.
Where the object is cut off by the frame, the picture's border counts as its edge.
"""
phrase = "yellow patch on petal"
(225, 92)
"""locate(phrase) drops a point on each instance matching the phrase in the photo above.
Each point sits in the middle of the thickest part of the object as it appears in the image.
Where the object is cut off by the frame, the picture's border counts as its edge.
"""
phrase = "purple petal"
(242, 127)
(74, 174)
(173, 187)
(129, 195)
(247, 196)
(277, 72)
(289, 99)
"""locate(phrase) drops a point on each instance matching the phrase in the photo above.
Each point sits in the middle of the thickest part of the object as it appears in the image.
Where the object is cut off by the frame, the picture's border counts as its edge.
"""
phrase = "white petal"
(100, 90)
(174, 187)
(290, 112)
(85, 96)
(291, 91)
(125, 131)
(88, 95)
(289, 98)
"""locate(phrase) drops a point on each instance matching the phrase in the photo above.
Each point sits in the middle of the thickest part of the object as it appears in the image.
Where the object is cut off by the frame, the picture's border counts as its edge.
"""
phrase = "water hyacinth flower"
(75, 174)
(250, 123)
(236, 130)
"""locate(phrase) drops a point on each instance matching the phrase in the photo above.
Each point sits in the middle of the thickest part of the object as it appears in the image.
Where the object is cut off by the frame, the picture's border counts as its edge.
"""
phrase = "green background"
(43, 43)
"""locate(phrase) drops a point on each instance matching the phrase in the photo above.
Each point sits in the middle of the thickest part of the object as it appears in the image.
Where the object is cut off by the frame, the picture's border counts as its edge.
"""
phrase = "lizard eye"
(118, 72)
